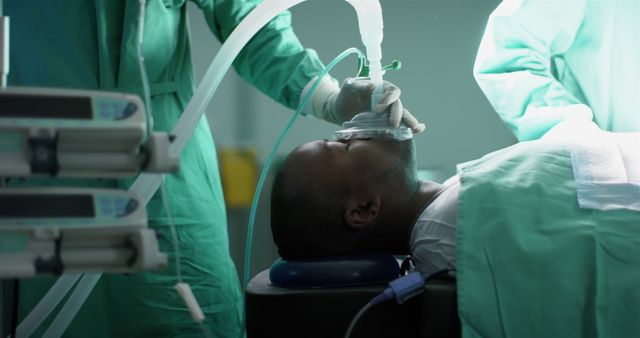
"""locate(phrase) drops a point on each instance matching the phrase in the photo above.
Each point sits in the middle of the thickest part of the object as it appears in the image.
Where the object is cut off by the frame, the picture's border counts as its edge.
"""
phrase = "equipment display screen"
(46, 206)
(43, 106)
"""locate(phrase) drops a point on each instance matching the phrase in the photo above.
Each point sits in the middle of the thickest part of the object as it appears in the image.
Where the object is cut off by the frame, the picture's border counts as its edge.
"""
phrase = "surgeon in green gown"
(561, 66)
(91, 44)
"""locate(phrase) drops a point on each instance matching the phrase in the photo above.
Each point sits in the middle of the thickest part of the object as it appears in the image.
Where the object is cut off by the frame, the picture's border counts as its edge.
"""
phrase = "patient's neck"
(405, 214)
(423, 196)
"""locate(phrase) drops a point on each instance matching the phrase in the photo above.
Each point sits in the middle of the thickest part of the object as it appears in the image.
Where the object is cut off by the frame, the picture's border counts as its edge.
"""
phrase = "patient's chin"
(403, 155)
(406, 153)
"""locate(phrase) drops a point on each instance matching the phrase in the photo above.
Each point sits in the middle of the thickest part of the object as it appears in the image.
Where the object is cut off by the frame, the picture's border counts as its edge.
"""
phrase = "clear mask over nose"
(372, 125)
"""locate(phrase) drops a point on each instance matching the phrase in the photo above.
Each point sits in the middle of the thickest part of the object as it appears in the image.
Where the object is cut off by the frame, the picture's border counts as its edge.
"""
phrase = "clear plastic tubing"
(256, 196)
(369, 15)
(42, 310)
(143, 72)
(370, 24)
(73, 305)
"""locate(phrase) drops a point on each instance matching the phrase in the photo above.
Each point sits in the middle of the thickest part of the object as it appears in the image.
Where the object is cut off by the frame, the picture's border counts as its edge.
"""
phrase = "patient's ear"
(362, 212)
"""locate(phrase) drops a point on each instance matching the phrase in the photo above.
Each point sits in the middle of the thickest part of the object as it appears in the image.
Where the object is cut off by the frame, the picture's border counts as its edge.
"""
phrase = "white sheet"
(606, 167)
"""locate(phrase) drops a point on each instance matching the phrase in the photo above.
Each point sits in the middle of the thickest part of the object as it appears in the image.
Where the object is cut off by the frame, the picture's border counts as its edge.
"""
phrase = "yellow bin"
(239, 173)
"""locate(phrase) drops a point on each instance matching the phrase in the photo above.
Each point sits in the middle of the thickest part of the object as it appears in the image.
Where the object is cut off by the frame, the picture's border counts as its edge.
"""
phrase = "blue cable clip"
(405, 287)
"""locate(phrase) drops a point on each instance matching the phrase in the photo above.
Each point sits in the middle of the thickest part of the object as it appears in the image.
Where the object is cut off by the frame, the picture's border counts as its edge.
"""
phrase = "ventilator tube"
(371, 124)
(371, 26)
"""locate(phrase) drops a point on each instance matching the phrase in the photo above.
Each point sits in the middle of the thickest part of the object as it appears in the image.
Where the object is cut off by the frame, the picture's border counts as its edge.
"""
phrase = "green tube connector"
(363, 67)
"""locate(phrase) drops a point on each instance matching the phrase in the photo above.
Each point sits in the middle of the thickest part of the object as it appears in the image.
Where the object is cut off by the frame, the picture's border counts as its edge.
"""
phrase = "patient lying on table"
(533, 227)
(363, 196)
(349, 197)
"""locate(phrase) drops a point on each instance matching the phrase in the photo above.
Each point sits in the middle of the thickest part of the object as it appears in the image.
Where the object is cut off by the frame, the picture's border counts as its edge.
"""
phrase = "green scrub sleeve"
(274, 60)
(514, 66)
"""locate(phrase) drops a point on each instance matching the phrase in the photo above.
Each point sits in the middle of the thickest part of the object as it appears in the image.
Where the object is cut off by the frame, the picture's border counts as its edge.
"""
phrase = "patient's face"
(356, 160)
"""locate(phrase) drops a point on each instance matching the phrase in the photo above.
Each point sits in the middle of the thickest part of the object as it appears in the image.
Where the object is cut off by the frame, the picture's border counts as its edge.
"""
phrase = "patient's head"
(346, 197)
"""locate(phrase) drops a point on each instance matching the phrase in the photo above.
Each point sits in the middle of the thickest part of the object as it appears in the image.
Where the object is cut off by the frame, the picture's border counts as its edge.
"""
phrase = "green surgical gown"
(537, 57)
(90, 44)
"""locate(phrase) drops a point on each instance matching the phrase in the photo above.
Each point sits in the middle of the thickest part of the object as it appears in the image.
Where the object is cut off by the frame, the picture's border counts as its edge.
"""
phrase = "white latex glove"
(336, 105)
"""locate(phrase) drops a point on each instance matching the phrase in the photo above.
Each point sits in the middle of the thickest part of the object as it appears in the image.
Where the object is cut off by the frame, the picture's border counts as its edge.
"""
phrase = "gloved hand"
(337, 105)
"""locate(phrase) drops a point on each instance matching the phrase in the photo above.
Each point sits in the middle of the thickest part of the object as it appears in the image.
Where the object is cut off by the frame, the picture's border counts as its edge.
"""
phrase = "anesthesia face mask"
(373, 125)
